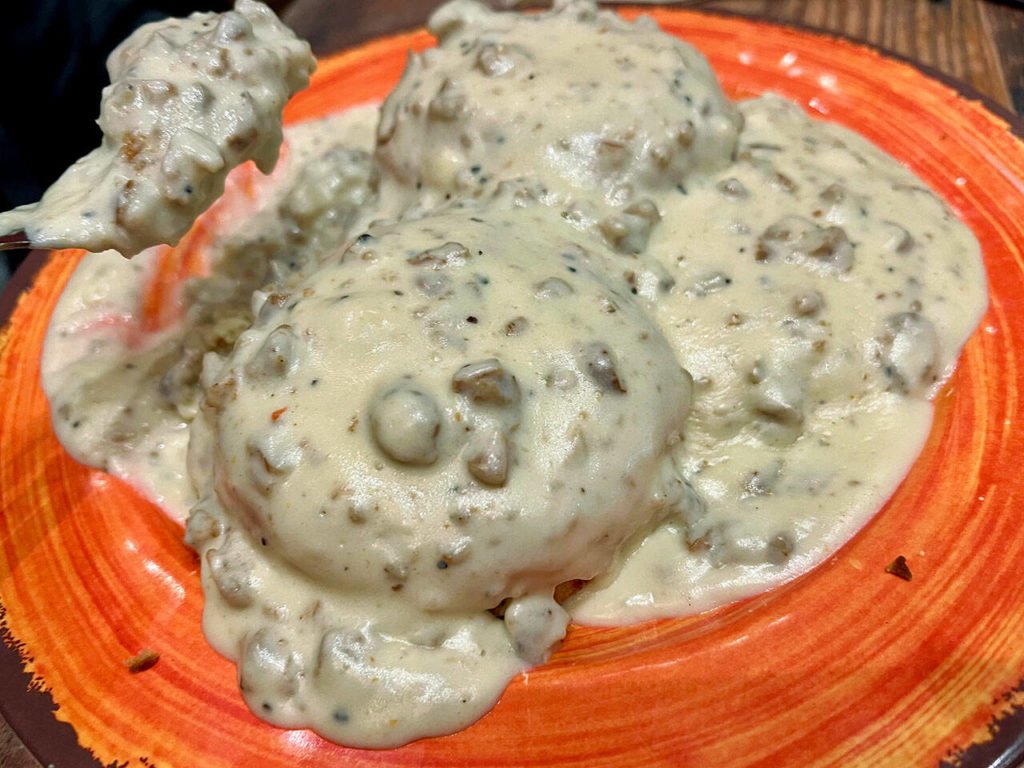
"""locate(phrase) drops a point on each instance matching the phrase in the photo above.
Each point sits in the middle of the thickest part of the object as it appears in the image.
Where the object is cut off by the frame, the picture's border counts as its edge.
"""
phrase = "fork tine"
(12, 240)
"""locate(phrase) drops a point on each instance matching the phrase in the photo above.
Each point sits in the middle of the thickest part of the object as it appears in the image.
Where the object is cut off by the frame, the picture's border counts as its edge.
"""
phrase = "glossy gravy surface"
(516, 354)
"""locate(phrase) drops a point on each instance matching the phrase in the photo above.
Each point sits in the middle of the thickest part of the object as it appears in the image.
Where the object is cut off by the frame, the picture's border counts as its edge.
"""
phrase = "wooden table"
(978, 42)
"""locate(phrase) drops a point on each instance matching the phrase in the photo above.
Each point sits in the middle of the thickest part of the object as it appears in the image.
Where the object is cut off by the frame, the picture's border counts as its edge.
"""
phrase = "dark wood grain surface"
(977, 42)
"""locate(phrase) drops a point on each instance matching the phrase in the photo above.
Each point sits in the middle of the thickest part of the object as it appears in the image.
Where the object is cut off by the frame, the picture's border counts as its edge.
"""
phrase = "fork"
(12, 240)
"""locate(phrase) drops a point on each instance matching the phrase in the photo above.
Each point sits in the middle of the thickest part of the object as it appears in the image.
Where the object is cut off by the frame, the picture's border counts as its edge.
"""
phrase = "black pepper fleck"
(899, 568)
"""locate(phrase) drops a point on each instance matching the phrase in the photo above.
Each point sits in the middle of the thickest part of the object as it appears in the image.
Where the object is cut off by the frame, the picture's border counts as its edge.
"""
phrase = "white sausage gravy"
(188, 100)
(564, 335)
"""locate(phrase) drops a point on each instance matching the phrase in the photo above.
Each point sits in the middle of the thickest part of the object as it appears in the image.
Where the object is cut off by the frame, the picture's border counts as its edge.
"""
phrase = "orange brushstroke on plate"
(162, 303)
(847, 666)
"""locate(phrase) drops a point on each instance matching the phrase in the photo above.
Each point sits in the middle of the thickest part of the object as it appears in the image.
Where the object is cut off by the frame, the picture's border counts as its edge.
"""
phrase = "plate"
(846, 666)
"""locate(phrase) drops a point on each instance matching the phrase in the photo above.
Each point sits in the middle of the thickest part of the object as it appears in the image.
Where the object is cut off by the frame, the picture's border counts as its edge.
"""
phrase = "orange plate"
(846, 666)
